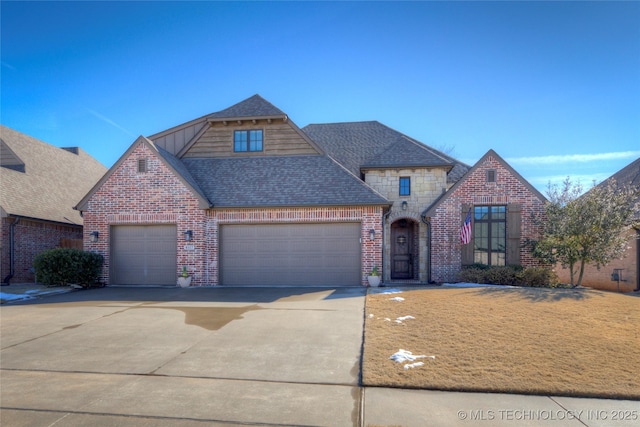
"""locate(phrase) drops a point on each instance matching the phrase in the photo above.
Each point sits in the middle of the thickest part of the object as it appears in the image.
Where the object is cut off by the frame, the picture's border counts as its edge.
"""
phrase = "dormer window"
(247, 140)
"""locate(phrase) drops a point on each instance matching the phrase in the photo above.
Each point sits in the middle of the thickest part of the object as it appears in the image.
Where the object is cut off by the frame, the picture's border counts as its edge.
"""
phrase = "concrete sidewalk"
(222, 356)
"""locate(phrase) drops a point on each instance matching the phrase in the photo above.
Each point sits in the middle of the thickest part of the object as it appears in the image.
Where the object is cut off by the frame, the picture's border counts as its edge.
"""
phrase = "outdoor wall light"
(94, 236)
(372, 234)
(405, 205)
(188, 235)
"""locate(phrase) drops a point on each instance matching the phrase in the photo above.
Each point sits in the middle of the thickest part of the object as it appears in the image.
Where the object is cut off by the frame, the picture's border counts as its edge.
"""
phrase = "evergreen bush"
(64, 266)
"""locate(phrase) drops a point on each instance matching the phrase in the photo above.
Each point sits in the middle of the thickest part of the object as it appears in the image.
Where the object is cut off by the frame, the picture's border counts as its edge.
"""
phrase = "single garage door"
(290, 254)
(143, 255)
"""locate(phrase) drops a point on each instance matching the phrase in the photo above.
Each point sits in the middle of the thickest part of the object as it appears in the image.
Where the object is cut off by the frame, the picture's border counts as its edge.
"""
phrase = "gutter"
(427, 221)
(12, 252)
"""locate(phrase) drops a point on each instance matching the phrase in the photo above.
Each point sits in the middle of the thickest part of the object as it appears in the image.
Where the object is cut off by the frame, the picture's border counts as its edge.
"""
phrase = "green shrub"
(488, 274)
(509, 275)
(538, 277)
(472, 274)
(501, 275)
(61, 266)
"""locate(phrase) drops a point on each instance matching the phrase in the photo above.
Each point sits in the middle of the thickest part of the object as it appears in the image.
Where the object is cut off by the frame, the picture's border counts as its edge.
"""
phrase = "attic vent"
(491, 175)
(142, 166)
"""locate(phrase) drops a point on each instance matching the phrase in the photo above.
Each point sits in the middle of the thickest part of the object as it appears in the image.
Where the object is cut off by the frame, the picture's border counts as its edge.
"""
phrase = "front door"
(401, 245)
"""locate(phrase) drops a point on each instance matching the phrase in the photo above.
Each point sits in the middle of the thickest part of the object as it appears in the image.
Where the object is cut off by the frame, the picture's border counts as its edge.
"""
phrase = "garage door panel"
(143, 254)
(290, 254)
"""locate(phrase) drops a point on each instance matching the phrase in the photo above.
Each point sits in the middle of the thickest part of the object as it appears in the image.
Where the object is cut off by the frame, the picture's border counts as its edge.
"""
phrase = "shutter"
(514, 214)
(466, 251)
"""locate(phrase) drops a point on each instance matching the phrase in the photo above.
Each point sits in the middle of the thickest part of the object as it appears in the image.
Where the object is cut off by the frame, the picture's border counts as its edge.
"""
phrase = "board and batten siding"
(279, 138)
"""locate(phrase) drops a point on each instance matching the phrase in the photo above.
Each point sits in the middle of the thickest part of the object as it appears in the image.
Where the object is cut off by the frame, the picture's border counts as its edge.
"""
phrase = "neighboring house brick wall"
(32, 237)
(446, 258)
(153, 197)
(601, 279)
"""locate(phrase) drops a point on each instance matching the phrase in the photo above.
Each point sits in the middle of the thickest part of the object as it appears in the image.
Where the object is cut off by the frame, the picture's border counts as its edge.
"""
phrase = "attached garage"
(326, 254)
(143, 255)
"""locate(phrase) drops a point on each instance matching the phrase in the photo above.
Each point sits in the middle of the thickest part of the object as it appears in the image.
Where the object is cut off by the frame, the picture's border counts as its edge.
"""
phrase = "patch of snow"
(387, 319)
(371, 316)
(404, 318)
(396, 299)
(402, 356)
(390, 291)
(413, 365)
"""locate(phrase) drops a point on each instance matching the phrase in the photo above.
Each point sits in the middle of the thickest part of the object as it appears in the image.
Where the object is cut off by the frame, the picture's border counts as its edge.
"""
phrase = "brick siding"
(601, 279)
(159, 197)
(446, 258)
(32, 237)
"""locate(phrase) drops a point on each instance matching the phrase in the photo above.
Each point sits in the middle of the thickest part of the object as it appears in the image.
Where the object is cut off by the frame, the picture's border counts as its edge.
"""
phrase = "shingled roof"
(255, 106)
(628, 176)
(280, 181)
(38, 180)
(370, 144)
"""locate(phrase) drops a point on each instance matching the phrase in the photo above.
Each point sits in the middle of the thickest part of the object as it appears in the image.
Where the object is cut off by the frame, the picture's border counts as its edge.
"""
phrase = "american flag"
(465, 231)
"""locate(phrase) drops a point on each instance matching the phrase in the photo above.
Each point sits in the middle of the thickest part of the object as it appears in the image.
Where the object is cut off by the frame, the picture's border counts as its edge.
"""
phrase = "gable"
(149, 166)
(280, 137)
(9, 159)
(490, 181)
(212, 135)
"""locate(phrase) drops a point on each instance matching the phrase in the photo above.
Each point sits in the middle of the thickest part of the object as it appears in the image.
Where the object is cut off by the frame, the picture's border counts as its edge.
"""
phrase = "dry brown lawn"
(563, 342)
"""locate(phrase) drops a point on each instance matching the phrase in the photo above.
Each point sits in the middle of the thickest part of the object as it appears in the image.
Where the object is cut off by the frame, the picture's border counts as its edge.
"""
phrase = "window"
(405, 186)
(490, 234)
(491, 175)
(247, 140)
(142, 166)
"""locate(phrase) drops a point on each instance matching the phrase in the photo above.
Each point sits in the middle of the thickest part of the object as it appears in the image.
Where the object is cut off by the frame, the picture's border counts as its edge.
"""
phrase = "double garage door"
(290, 254)
(266, 254)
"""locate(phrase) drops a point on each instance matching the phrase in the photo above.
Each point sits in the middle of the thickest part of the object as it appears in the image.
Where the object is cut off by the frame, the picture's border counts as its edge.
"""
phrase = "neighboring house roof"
(628, 176)
(431, 210)
(370, 144)
(169, 160)
(38, 180)
(280, 181)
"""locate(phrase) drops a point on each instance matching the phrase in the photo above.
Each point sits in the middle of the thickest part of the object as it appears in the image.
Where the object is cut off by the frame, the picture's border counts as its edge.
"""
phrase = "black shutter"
(514, 214)
(466, 251)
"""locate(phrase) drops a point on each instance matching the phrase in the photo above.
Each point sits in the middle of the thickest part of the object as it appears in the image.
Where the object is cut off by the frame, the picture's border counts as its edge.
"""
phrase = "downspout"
(385, 217)
(12, 254)
(428, 223)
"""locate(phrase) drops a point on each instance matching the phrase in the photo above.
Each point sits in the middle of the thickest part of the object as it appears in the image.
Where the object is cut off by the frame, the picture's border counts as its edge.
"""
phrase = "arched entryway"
(404, 250)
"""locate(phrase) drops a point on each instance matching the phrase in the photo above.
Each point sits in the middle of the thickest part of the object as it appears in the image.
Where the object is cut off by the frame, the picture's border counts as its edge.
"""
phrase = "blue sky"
(552, 87)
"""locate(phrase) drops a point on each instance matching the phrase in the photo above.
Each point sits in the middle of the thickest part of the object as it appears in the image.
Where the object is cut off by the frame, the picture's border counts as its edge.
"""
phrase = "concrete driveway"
(224, 356)
(161, 355)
